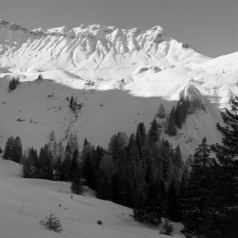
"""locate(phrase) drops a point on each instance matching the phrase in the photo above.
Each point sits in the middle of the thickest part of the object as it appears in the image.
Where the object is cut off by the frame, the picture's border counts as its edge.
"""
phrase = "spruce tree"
(74, 165)
(71, 103)
(66, 164)
(140, 137)
(104, 187)
(17, 150)
(153, 132)
(76, 186)
(88, 171)
(198, 191)
(85, 143)
(46, 165)
(167, 228)
(8, 151)
(153, 204)
(51, 223)
(140, 198)
(12, 84)
(171, 128)
(179, 116)
(17, 81)
(225, 211)
(40, 77)
(161, 111)
(173, 202)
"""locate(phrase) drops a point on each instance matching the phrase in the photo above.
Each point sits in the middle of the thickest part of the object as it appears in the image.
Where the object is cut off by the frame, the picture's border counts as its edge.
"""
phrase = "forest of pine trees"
(144, 172)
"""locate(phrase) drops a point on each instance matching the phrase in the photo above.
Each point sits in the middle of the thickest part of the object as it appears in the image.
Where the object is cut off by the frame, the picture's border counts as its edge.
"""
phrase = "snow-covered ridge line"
(93, 29)
(92, 51)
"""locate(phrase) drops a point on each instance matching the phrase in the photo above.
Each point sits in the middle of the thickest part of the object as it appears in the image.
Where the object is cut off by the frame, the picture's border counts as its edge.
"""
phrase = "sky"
(209, 26)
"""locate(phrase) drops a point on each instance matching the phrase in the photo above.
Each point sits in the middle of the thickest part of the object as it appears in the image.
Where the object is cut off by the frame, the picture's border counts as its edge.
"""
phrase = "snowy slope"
(120, 75)
(24, 202)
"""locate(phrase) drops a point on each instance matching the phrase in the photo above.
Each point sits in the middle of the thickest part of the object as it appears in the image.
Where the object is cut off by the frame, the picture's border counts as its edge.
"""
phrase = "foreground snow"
(24, 202)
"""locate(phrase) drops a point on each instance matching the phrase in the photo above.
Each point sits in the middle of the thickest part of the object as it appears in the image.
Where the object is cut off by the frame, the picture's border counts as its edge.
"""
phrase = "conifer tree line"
(143, 172)
(56, 162)
(13, 84)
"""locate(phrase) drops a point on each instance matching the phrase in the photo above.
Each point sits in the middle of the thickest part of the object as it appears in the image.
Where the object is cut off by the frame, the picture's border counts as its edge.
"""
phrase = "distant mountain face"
(92, 51)
(120, 75)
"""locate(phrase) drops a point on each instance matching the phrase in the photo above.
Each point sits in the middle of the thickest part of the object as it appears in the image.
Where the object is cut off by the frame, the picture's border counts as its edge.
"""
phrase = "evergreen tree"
(60, 150)
(17, 81)
(98, 156)
(66, 164)
(225, 212)
(183, 195)
(104, 188)
(85, 143)
(55, 150)
(173, 202)
(167, 228)
(12, 84)
(51, 223)
(40, 77)
(117, 145)
(177, 164)
(46, 165)
(76, 186)
(8, 151)
(74, 165)
(140, 198)
(198, 191)
(51, 142)
(140, 137)
(71, 103)
(31, 166)
(165, 150)
(153, 132)
(107, 183)
(171, 129)
(88, 170)
(163, 199)
(17, 150)
(179, 115)
(153, 208)
(161, 111)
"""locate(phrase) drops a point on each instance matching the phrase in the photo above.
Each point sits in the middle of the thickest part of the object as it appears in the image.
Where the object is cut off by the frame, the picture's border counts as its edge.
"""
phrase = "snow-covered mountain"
(120, 76)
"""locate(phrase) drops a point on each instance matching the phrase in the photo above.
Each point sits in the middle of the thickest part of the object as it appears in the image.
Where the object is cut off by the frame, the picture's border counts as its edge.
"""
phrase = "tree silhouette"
(51, 223)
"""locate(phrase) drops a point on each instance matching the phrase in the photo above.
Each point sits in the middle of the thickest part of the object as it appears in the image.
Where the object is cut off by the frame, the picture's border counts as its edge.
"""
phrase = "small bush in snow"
(167, 228)
(51, 223)
(99, 222)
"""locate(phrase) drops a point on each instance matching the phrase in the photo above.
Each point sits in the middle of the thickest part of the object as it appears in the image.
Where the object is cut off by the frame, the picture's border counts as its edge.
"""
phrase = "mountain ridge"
(121, 76)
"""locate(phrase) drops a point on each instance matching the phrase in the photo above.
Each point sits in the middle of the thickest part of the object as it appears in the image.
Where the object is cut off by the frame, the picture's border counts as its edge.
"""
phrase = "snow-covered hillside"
(24, 202)
(120, 76)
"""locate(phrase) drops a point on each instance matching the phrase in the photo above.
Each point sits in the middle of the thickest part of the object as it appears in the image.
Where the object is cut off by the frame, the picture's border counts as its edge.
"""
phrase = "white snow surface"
(24, 202)
(120, 75)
